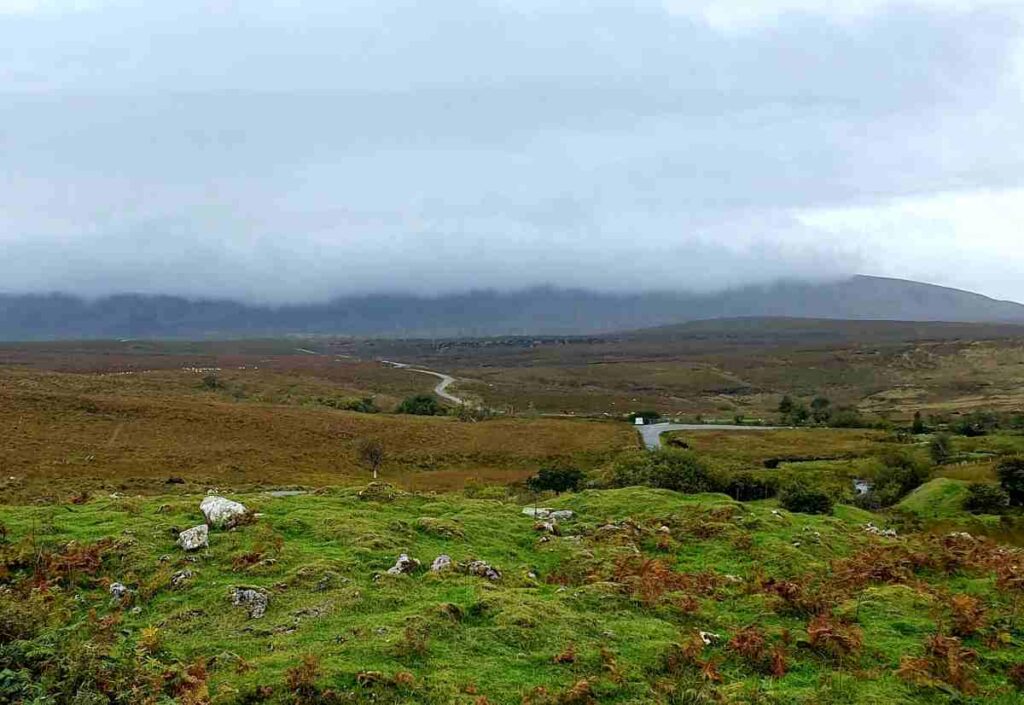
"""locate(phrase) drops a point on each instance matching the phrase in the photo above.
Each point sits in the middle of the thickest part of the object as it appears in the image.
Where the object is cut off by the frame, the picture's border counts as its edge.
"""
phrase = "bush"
(900, 475)
(556, 480)
(668, 469)
(1011, 477)
(847, 417)
(986, 498)
(749, 486)
(941, 448)
(647, 416)
(801, 497)
(421, 405)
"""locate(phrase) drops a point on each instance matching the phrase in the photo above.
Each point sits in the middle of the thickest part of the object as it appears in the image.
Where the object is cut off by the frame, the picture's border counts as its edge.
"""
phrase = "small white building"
(639, 421)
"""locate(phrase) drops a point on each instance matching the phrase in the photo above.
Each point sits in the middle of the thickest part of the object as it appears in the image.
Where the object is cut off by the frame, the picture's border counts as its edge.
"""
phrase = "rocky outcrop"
(255, 600)
(221, 512)
(195, 538)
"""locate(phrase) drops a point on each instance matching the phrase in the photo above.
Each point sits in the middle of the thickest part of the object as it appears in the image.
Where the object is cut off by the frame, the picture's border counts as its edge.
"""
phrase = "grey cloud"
(275, 153)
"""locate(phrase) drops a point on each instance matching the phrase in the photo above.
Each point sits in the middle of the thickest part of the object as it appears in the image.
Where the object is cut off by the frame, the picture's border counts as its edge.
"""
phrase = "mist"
(276, 152)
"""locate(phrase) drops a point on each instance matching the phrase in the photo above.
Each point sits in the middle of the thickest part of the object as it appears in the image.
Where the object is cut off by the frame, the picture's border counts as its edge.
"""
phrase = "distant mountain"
(485, 313)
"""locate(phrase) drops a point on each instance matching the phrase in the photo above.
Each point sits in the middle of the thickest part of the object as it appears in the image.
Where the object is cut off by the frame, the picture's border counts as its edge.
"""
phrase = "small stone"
(441, 563)
(664, 530)
(181, 577)
(404, 565)
(195, 538)
(483, 570)
(118, 591)
(255, 600)
(709, 638)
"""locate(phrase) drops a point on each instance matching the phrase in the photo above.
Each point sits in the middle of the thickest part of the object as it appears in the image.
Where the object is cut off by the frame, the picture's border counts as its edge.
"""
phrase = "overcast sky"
(292, 151)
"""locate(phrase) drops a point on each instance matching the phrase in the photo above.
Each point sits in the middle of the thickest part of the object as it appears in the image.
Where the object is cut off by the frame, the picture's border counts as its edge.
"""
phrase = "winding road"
(652, 433)
(442, 386)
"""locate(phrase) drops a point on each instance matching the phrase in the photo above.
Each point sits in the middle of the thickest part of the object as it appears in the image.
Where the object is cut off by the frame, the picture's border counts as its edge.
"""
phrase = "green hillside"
(794, 608)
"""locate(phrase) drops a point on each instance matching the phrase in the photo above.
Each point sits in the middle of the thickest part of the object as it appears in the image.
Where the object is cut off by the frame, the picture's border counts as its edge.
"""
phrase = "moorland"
(867, 550)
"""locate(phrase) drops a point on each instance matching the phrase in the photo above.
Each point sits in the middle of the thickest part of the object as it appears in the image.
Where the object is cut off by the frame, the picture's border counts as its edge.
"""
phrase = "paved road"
(442, 386)
(652, 433)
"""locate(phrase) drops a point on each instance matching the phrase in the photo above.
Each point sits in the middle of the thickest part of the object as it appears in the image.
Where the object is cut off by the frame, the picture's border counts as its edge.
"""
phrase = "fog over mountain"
(489, 313)
(278, 153)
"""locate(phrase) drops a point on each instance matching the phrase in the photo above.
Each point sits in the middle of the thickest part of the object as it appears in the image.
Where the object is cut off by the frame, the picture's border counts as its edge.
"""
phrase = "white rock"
(404, 564)
(254, 599)
(708, 638)
(195, 538)
(118, 591)
(537, 512)
(561, 514)
(441, 563)
(220, 511)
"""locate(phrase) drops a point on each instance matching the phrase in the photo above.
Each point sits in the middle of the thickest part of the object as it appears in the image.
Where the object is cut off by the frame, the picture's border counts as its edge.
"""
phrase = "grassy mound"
(940, 498)
(644, 596)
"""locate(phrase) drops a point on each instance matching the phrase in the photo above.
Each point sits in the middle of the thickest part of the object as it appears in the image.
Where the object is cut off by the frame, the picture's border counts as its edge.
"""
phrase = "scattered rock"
(441, 563)
(734, 579)
(961, 535)
(875, 531)
(327, 582)
(255, 600)
(664, 530)
(221, 512)
(549, 526)
(403, 565)
(483, 570)
(544, 513)
(195, 538)
(710, 638)
(119, 591)
(181, 577)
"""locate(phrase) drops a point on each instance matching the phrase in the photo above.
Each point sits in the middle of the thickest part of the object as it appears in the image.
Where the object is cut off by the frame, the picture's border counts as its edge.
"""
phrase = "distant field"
(65, 433)
(721, 368)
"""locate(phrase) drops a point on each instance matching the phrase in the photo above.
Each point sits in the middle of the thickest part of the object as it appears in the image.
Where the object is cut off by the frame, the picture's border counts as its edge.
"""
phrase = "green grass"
(941, 498)
(321, 557)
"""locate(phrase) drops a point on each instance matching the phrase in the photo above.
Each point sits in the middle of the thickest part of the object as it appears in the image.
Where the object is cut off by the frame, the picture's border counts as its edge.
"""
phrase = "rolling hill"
(483, 313)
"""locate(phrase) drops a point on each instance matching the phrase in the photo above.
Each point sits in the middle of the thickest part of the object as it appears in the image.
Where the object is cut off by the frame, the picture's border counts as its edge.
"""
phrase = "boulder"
(403, 565)
(545, 513)
(255, 600)
(483, 570)
(222, 512)
(441, 563)
(195, 538)
(118, 591)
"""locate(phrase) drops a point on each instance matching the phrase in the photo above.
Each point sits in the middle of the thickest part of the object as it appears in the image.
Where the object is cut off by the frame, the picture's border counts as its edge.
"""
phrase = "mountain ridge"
(536, 311)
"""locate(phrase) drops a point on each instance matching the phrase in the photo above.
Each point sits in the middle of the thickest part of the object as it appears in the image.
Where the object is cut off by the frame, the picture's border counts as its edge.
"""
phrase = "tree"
(1011, 477)
(986, 498)
(918, 427)
(556, 479)
(371, 454)
(941, 448)
(420, 405)
(821, 409)
(901, 474)
(786, 405)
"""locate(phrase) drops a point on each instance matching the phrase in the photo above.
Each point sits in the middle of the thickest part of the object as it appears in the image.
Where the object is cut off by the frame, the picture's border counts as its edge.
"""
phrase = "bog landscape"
(512, 352)
(832, 515)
